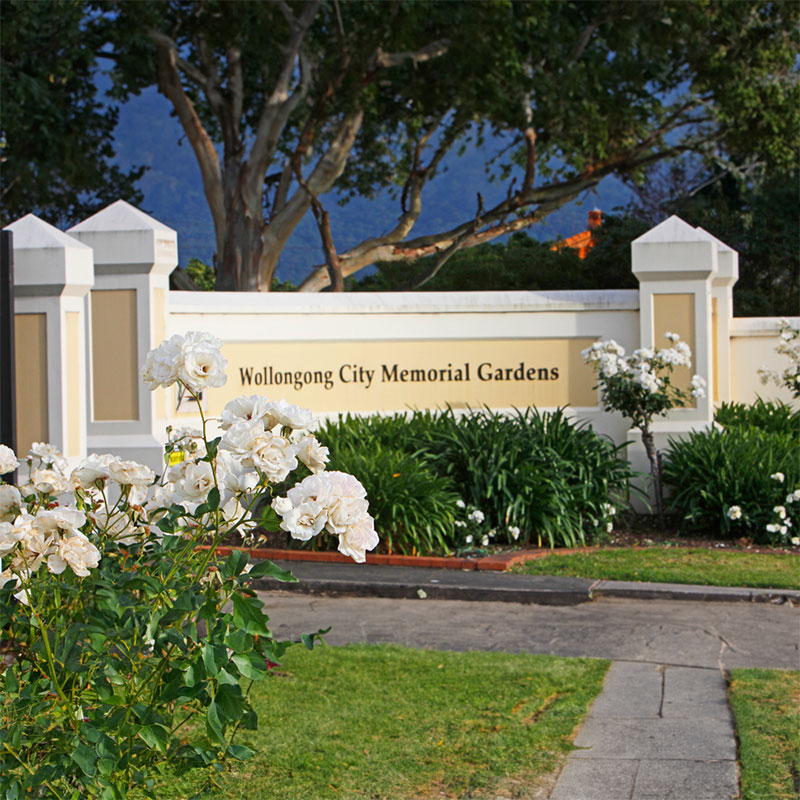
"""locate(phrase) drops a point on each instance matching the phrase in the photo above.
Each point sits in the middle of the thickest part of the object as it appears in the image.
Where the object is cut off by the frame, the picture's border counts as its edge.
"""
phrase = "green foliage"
(56, 139)
(711, 471)
(541, 472)
(412, 505)
(203, 276)
(646, 82)
(773, 416)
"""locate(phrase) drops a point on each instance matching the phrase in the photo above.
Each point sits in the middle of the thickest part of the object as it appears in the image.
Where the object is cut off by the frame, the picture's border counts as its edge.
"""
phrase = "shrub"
(540, 472)
(766, 415)
(713, 471)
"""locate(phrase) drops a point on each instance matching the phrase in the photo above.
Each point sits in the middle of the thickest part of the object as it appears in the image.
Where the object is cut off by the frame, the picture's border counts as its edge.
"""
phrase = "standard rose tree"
(116, 629)
(640, 387)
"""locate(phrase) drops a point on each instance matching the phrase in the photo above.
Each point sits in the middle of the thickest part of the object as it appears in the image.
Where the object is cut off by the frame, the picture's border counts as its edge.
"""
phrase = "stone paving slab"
(689, 739)
(700, 693)
(596, 779)
(630, 690)
(685, 780)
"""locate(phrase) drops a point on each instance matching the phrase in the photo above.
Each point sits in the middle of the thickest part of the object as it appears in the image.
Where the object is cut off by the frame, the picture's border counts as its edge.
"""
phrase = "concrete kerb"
(372, 580)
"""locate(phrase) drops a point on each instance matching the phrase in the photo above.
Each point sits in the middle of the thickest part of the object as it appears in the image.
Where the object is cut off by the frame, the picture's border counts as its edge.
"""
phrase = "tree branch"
(169, 84)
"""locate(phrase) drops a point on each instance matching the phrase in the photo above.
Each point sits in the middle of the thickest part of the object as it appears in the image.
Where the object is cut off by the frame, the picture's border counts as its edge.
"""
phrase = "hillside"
(148, 134)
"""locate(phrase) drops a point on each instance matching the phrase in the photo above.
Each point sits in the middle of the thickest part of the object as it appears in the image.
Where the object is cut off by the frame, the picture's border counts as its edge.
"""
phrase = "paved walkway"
(655, 733)
(660, 730)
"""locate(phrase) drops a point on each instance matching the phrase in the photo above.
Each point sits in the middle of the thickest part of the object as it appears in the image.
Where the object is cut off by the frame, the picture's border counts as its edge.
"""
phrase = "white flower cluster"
(332, 501)
(782, 521)
(789, 346)
(643, 365)
(194, 360)
(51, 536)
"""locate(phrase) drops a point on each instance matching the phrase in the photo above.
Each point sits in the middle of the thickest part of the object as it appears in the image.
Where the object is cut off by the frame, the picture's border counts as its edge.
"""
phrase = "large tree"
(283, 101)
(56, 145)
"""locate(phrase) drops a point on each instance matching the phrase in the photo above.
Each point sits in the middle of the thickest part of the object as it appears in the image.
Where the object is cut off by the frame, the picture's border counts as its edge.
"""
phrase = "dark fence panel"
(8, 405)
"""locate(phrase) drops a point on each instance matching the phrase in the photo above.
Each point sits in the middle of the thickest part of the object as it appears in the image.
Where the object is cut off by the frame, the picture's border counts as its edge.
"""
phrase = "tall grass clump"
(766, 415)
(745, 468)
(551, 477)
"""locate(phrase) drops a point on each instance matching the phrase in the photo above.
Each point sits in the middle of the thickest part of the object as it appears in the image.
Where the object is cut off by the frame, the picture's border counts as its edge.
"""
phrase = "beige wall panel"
(675, 313)
(115, 361)
(714, 350)
(394, 375)
(30, 356)
(748, 355)
(159, 312)
(73, 382)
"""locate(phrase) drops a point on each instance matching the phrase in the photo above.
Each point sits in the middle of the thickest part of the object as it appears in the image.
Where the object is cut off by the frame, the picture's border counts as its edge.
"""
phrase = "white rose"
(778, 476)
(346, 512)
(312, 453)
(244, 409)
(191, 481)
(305, 520)
(93, 470)
(10, 502)
(281, 505)
(49, 481)
(359, 538)
(8, 460)
(294, 417)
(241, 437)
(62, 520)
(202, 364)
(273, 456)
(130, 473)
(77, 552)
(161, 364)
(9, 536)
(47, 455)
(233, 475)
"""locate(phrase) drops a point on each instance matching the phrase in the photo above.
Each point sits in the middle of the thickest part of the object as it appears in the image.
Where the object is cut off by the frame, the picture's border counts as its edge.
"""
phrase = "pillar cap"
(125, 239)
(47, 261)
(674, 250)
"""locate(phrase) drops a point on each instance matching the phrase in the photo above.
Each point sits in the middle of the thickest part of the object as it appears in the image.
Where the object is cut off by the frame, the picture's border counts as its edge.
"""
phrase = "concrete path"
(654, 733)
(660, 730)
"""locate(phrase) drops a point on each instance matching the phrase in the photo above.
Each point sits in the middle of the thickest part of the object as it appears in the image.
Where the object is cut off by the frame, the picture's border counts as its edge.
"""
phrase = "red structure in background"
(583, 241)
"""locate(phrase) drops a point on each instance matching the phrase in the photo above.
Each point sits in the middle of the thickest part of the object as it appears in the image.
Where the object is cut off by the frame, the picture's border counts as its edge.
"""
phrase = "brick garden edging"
(497, 562)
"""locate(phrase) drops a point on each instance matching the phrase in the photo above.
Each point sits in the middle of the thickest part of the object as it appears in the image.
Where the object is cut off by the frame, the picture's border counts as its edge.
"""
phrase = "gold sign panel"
(396, 375)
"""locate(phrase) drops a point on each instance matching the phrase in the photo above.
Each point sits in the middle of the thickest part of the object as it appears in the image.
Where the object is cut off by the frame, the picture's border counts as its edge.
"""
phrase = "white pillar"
(134, 256)
(721, 318)
(53, 273)
(677, 265)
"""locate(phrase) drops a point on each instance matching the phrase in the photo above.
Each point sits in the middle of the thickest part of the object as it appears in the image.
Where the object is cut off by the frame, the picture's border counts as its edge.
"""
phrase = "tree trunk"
(239, 264)
(655, 471)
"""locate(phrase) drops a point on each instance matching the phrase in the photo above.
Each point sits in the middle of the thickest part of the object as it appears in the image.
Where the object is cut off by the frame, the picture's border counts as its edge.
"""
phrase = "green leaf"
(240, 752)
(229, 702)
(214, 723)
(239, 641)
(84, 757)
(211, 449)
(247, 614)
(212, 657)
(262, 568)
(155, 736)
(250, 666)
(235, 563)
(12, 684)
(308, 638)
(213, 499)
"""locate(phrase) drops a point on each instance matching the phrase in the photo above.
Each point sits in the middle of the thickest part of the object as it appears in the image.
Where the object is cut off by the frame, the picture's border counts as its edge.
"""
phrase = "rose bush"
(116, 629)
(640, 387)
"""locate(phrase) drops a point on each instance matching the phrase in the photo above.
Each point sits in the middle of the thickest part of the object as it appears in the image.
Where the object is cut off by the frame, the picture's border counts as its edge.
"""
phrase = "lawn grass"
(766, 705)
(391, 722)
(674, 565)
